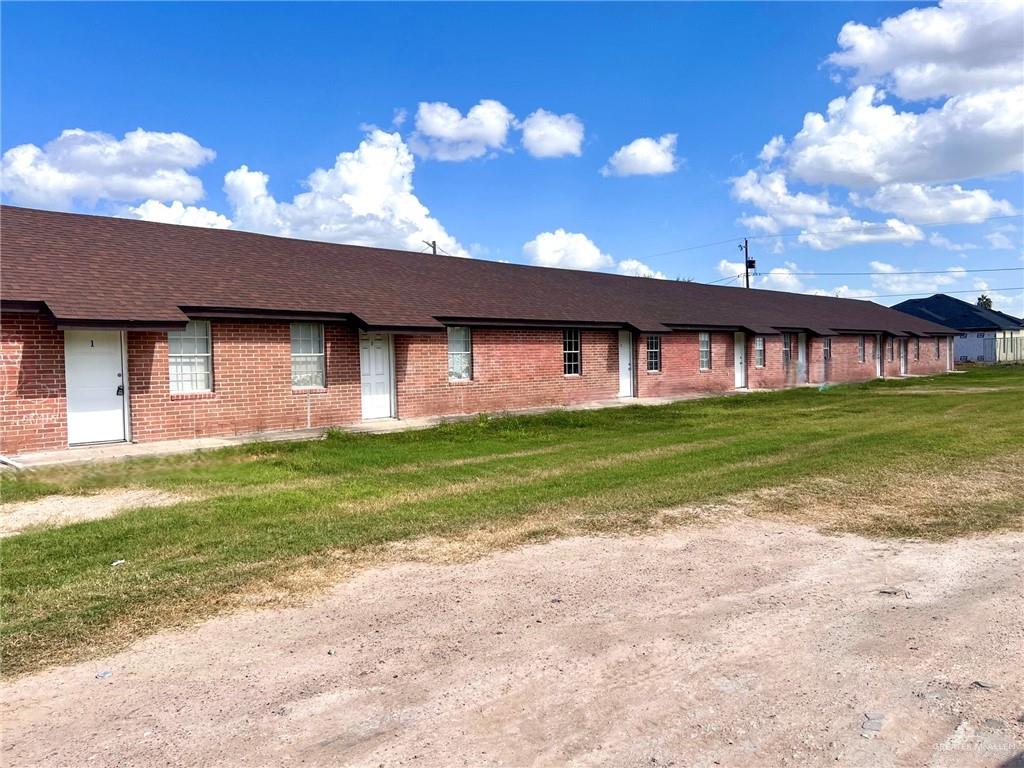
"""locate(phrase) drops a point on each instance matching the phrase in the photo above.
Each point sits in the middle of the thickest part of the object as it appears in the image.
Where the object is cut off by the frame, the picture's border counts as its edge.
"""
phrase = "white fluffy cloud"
(570, 250)
(829, 234)
(770, 193)
(998, 241)
(90, 166)
(923, 204)
(574, 250)
(635, 268)
(772, 150)
(958, 47)
(863, 142)
(887, 280)
(365, 198)
(443, 133)
(941, 241)
(178, 213)
(824, 226)
(549, 135)
(644, 157)
(900, 162)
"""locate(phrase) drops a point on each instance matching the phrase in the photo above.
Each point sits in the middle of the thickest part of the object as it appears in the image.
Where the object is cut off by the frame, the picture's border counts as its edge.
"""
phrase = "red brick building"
(113, 329)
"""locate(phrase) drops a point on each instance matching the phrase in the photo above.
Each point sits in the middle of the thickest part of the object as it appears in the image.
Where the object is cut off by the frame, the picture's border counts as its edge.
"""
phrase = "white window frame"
(460, 353)
(301, 356)
(826, 348)
(862, 344)
(704, 350)
(654, 354)
(917, 349)
(787, 349)
(572, 352)
(891, 350)
(759, 353)
(199, 378)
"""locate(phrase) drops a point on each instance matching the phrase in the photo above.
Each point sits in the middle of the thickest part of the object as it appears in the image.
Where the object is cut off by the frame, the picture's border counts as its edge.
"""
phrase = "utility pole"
(432, 244)
(748, 263)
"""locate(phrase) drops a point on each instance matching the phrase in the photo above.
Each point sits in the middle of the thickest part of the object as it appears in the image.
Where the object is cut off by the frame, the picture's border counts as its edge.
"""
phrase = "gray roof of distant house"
(84, 269)
(962, 315)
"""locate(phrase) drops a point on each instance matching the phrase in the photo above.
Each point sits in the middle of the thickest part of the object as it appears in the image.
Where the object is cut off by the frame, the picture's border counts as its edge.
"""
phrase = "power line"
(694, 247)
(723, 280)
(883, 226)
(915, 272)
(867, 228)
(922, 293)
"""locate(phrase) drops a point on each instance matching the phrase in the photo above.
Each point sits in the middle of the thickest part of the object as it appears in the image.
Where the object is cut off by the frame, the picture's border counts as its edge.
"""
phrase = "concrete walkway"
(114, 451)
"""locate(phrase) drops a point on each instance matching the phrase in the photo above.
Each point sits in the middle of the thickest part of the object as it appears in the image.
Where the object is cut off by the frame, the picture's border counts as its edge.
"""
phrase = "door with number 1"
(94, 376)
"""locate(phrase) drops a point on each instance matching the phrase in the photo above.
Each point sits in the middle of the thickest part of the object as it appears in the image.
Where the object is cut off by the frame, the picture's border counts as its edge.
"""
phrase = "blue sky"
(282, 90)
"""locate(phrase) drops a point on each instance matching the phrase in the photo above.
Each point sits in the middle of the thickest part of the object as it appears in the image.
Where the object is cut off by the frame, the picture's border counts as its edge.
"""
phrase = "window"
(759, 351)
(981, 335)
(892, 353)
(937, 354)
(917, 349)
(654, 353)
(787, 348)
(861, 345)
(460, 354)
(307, 355)
(571, 358)
(826, 348)
(189, 358)
(704, 343)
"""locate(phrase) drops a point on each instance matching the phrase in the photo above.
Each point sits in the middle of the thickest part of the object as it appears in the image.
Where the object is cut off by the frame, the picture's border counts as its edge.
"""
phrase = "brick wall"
(680, 366)
(33, 407)
(252, 388)
(512, 369)
(845, 364)
(928, 363)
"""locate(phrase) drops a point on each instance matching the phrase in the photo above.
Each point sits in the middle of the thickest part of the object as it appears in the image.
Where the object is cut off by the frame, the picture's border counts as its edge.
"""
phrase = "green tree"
(985, 301)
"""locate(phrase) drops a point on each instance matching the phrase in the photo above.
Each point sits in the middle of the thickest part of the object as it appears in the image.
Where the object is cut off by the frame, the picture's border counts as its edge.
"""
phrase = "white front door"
(375, 370)
(94, 372)
(740, 359)
(879, 356)
(801, 358)
(903, 357)
(625, 364)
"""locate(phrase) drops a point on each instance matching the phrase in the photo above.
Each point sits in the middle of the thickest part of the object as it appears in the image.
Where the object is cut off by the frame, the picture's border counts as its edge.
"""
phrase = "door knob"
(120, 390)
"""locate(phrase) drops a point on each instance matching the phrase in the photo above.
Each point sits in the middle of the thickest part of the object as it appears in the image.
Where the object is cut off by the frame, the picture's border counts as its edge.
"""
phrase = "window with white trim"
(307, 355)
(704, 344)
(759, 351)
(861, 349)
(460, 354)
(190, 359)
(654, 353)
(787, 348)
(826, 348)
(917, 349)
(892, 348)
(572, 359)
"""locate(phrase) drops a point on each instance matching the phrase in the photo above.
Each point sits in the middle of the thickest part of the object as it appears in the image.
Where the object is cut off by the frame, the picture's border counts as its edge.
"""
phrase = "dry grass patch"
(973, 499)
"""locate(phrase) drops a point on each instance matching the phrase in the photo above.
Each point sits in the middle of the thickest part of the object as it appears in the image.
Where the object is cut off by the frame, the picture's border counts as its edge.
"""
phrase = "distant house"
(986, 336)
(114, 329)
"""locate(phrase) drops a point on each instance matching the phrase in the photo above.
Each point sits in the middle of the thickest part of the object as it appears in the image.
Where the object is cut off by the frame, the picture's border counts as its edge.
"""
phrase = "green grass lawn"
(929, 457)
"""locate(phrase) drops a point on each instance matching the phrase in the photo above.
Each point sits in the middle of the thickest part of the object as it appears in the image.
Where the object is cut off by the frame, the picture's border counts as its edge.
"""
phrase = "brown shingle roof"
(95, 268)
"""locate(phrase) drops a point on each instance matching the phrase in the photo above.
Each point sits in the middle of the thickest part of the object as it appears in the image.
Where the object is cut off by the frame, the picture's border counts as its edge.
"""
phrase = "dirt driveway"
(742, 643)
